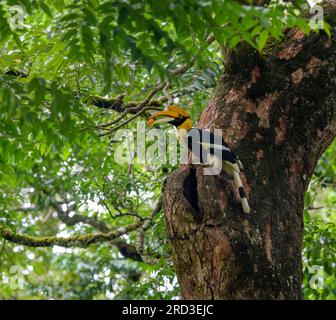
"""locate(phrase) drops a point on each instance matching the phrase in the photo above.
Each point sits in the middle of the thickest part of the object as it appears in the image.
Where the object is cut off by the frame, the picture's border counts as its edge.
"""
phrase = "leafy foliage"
(319, 253)
(54, 57)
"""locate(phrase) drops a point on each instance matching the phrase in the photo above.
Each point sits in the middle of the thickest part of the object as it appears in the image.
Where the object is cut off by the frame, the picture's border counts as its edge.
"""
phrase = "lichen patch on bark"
(263, 109)
(298, 34)
(290, 52)
(313, 64)
(296, 168)
(237, 125)
(235, 95)
(297, 76)
(280, 131)
(222, 202)
(221, 252)
(246, 185)
(268, 243)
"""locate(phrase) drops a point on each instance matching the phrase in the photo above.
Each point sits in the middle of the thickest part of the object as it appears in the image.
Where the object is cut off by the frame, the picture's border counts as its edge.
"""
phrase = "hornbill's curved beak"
(172, 112)
(166, 115)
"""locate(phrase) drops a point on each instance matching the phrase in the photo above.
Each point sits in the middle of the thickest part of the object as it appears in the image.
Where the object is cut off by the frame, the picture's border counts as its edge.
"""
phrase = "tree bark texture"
(278, 112)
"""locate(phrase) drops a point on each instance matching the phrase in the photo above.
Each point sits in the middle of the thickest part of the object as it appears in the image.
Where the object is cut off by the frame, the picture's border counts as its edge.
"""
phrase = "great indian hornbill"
(206, 141)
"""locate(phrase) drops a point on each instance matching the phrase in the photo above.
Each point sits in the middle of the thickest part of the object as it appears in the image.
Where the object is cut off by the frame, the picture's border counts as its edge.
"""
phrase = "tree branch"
(127, 250)
(75, 241)
(117, 104)
(124, 248)
(71, 221)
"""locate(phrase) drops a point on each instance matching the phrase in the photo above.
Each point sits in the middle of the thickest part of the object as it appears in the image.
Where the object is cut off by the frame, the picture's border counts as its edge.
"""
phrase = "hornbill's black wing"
(203, 142)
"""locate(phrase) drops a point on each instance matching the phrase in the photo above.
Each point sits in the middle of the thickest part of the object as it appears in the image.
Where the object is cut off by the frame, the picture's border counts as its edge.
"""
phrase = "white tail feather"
(245, 205)
(238, 184)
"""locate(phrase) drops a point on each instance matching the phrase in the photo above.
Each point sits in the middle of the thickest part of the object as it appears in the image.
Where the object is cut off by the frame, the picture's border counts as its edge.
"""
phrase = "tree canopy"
(75, 223)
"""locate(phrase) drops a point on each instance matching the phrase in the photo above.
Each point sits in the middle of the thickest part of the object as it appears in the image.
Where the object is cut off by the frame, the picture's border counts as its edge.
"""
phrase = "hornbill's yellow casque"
(207, 142)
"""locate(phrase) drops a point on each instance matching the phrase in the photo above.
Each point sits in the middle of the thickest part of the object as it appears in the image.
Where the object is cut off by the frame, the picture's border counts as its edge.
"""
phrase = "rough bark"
(279, 113)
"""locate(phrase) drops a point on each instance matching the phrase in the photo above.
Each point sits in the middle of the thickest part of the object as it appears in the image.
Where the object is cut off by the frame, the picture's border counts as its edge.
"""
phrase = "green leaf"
(262, 40)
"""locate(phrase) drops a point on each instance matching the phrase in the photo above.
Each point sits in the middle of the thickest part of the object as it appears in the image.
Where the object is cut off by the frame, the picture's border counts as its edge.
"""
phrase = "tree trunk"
(278, 112)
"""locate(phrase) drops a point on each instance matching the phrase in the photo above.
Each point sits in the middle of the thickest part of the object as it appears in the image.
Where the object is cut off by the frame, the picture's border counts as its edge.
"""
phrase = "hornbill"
(206, 143)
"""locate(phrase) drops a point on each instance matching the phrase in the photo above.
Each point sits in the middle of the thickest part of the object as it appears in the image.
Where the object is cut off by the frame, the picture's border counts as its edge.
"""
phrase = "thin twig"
(111, 130)
(167, 95)
(139, 244)
(137, 108)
